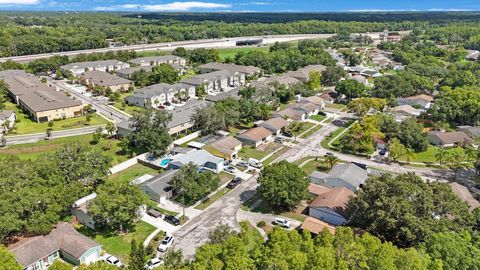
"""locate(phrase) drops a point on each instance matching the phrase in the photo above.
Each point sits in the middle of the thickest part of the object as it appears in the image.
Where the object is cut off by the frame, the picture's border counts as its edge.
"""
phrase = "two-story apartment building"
(104, 65)
(158, 94)
(99, 78)
(157, 60)
(217, 81)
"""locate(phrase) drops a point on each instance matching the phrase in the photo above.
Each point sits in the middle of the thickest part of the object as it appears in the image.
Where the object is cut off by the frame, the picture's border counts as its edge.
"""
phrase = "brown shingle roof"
(465, 195)
(64, 237)
(317, 189)
(256, 134)
(336, 199)
(225, 145)
(452, 137)
(422, 97)
(276, 123)
(316, 226)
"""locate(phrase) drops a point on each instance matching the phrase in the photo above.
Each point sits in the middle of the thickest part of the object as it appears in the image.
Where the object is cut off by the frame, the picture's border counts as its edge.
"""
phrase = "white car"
(166, 243)
(255, 163)
(282, 223)
(153, 263)
(113, 260)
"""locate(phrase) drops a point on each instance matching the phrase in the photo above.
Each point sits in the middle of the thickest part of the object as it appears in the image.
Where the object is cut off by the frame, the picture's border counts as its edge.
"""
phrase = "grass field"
(427, 156)
(310, 132)
(318, 117)
(315, 165)
(249, 152)
(125, 107)
(34, 150)
(215, 197)
(265, 208)
(119, 245)
(231, 52)
(275, 156)
(25, 125)
(133, 172)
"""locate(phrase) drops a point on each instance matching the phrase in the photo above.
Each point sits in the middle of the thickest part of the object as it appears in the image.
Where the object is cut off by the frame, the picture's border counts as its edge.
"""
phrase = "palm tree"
(441, 155)
(295, 128)
(331, 160)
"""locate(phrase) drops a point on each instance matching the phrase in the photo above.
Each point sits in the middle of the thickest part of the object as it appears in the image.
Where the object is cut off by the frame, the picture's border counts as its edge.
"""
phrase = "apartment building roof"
(104, 78)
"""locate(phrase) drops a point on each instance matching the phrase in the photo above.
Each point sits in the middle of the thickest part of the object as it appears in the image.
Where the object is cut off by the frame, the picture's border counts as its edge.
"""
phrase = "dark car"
(235, 182)
(322, 113)
(383, 151)
(287, 133)
(172, 220)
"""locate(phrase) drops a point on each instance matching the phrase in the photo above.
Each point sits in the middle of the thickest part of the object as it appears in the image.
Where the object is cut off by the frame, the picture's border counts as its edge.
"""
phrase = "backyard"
(132, 172)
(109, 147)
(119, 244)
(25, 125)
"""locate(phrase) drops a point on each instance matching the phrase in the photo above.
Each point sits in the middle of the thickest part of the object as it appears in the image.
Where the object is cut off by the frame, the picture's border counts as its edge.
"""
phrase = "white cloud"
(379, 10)
(184, 6)
(130, 6)
(19, 2)
(448, 9)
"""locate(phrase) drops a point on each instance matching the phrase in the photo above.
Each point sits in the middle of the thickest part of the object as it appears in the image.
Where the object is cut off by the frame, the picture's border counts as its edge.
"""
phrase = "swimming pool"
(165, 162)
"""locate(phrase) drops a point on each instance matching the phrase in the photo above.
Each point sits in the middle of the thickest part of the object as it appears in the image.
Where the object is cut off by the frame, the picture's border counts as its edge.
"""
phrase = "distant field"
(231, 52)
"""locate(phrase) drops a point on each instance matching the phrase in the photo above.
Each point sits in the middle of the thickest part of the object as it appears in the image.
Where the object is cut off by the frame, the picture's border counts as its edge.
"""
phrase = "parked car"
(322, 113)
(113, 261)
(153, 263)
(154, 213)
(287, 133)
(229, 169)
(330, 154)
(242, 163)
(235, 182)
(383, 151)
(279, 139)
(255, 163)
(282, 222)
(166, 243)
(172, 220)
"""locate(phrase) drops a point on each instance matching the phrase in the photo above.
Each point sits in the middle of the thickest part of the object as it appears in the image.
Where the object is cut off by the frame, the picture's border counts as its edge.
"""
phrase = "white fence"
(127, 164)
(187, 138)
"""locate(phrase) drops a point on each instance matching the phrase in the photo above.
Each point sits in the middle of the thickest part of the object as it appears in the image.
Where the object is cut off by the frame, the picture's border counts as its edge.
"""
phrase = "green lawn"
(275, 156)
(154, 205)
(25, 125)
(265, 208)
(231, 52)
(310, 132)
(215, 197)
(305, 126)
(336, 106)
(119, 245)
(34, 150)
(133, 172)
(225, 177)
(315, 165)
(427, 156)
(318, 117)
(250, 152)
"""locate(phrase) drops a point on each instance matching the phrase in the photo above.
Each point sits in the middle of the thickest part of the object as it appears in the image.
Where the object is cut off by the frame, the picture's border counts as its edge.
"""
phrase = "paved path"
(35, 137)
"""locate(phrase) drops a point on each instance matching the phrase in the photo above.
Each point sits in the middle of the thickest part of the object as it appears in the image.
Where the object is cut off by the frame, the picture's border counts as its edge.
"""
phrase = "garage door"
(91, 258)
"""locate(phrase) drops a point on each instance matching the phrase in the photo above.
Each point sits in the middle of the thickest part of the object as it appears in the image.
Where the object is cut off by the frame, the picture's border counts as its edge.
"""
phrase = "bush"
(261, 224)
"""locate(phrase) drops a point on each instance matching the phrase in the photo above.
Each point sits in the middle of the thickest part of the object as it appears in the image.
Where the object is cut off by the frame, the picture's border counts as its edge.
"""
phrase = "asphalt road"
(206, 43)
(33, 138)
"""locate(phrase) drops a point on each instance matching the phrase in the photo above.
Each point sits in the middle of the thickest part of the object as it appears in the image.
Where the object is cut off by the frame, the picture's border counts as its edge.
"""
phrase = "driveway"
(195, 232)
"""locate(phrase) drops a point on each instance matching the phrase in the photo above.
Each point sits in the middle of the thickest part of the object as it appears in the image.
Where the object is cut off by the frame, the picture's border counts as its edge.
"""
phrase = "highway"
(191, 44)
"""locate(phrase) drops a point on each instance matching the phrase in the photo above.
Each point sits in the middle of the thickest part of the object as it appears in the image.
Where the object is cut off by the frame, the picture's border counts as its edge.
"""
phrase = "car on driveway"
(242, 163)
(229, 169)
(255, 163)
(113, 260)
(282, 222)
(279, 139)
(154, 213)
(235, 182)
(172, 220)
(153, 263)
(287, 133)
(166, 243)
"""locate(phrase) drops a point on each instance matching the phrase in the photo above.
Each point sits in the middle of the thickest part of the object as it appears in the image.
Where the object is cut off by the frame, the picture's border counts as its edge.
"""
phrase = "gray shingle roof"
(160, 182)
(162, 58)
(349, 173)
(6, 114)
(104, 78)
(231, 67)
(199, 79)
(92, 64)
(199, 158)
(127, 72)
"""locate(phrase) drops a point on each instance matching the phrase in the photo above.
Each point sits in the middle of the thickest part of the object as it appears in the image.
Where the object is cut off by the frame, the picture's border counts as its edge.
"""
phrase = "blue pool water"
(165, 161)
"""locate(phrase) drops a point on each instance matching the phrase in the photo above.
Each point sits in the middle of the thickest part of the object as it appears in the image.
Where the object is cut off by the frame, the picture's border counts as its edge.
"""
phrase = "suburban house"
(103, 65)
(473, 55)
(303, 74)
(96, 78)
(360, 79)
(248, 71)
(291, 114)
(275, 125)
(448, 139)
(7, 120)
(157, 60)
(127, 73)
(159, 94)
(330, 206)
(403, 112)
(39, 252)
(255, 136)
(330, 96)
(347, 175)
(317, 100)
(473, 132)
(226, 148)
(308, 108)
(421, 101)
(316, 226)
(157, 187)
(201, 158)
(217, 81)
(80, 211)
(41, 102)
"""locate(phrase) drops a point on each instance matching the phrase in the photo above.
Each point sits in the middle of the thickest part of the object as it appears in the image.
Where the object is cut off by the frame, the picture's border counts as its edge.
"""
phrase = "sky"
(240, 5)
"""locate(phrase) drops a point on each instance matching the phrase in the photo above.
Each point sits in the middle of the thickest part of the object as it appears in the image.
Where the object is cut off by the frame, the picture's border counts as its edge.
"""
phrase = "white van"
(255, 163)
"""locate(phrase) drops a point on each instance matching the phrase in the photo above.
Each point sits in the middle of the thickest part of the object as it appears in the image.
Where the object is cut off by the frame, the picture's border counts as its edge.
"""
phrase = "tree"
(180, 52)
(331, 160)
(203, 56)
(395, 149)
(406, 210)
(315, 80)
(283, 185)
(441, 155)
(49, 130)
(361, 106)
(150, 132)
(351, 89)
(461, 106)
(117, 205)
(209, 120)
(110, 128)
(194, 185)
(88, 118)
(295, 128)
(97, 136)
(220, 234)
(59, 265)
(456, 161)
(200, 91)
(163, 73)
(7, 260)
(332, 75)
(138, 256)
